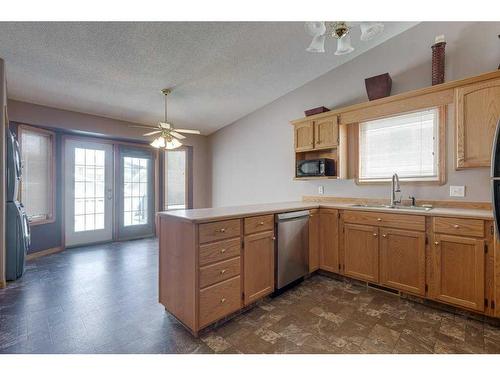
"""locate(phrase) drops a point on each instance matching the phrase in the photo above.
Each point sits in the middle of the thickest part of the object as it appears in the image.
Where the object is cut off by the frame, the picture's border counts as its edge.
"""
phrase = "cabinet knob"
(222, 272)
(222, 300)
(384, 235)
(261, 223)
(274, 238)
(436, 243)
(379, 219)
(222, 251)
(375, 234)
(456, 226)
(221, 230)
(311, 215)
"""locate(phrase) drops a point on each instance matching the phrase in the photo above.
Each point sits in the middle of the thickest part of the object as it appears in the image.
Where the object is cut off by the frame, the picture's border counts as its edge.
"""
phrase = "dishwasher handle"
(296, 215)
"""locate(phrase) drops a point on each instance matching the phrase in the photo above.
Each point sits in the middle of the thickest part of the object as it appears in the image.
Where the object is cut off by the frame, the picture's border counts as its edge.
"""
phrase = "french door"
(88, 179)
(135, 188)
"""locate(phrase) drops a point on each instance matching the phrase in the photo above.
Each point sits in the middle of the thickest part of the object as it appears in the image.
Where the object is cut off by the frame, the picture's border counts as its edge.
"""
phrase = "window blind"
(36, 185)
(405, 144)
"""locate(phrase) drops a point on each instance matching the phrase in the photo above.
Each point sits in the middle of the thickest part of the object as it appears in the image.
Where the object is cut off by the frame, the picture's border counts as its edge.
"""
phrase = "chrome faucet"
(395, 188)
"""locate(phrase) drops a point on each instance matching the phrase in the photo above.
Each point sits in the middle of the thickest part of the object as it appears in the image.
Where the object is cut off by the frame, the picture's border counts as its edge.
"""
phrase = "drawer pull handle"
(222, 251)
(222, 272)
(221, 230)
(379, 219)
(436, 243)
(384, 235)
(261, 223)
(456, 226)
(222, 300)
(374, 234)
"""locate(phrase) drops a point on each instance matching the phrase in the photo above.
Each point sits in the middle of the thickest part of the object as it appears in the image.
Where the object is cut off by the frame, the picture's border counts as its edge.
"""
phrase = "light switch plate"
(457, 191)
(321, 190)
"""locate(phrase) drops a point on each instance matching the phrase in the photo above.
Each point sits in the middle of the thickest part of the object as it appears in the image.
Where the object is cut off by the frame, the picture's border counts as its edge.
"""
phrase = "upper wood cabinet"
(304, 136)
(329, 240)
(402, 260)
(314, 240)
(326, 133)
(477, 113)
(458, 271)
(317, 135)
(361, 252)
(258, 270)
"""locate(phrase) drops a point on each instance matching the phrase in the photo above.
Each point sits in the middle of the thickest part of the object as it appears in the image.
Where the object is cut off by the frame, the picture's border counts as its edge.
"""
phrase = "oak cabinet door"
(477, 113)
(326, 133)
(402, 260)
(304, 136)
(361, 252)
(458, 271)
(329, 240)
(258, 269)
(314, 241)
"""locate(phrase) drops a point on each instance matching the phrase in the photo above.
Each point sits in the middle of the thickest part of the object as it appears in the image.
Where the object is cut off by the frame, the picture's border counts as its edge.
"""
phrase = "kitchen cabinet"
(458, 270)
(314, 240)
(258, 255)
(361, 252)
(402, 260)
(326, 133)
(304, 136)
(329, 240)
(477, 108)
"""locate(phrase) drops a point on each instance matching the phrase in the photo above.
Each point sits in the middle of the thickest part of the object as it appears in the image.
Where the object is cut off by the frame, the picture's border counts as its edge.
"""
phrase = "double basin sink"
(384, 206)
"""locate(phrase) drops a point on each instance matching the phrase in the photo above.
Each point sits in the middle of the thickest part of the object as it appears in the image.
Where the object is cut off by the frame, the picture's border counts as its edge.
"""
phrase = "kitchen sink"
(416, 208)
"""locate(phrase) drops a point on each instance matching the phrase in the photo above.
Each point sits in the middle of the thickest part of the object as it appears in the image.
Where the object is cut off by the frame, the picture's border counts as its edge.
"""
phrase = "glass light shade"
(369, 30)
(173, 144)
(344, 45)
(158, 142)
(317, 45)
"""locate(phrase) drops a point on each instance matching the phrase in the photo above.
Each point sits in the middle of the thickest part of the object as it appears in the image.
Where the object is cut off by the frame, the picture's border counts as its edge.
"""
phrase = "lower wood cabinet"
(458, 271)
(258, 260)
(329, 240)
(402, 260)
(219, 300)
(361, 252)
(313, 240)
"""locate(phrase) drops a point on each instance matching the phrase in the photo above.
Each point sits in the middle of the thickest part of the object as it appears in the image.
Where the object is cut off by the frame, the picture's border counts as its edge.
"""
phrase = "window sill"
(417, 181)
(42, 222)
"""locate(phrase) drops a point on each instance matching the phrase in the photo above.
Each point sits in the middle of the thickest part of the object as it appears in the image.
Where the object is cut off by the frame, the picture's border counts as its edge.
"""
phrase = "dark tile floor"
(103, 299)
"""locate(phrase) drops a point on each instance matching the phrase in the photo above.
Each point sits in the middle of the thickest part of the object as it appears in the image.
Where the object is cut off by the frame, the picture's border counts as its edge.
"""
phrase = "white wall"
(253, 158)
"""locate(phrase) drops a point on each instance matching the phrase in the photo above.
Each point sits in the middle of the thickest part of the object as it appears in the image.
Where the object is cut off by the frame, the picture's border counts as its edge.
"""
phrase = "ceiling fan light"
(369, 30)
(173, 144)
(156, 143)
(344, 45)
(317, 44)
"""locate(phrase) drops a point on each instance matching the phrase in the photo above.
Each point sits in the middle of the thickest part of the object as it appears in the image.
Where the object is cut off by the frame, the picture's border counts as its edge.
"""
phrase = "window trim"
(188, 201)
(441, 133)
(51, 217)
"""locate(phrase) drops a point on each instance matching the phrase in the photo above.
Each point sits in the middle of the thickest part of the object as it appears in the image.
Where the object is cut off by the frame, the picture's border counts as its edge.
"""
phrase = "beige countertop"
(221, 213)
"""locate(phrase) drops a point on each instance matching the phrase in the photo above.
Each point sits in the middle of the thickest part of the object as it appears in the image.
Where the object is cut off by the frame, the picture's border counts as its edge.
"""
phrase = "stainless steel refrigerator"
(495, 176)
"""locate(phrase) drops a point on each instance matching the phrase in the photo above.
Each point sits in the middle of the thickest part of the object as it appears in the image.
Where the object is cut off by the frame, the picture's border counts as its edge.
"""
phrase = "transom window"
(406, 144)
(135, 178)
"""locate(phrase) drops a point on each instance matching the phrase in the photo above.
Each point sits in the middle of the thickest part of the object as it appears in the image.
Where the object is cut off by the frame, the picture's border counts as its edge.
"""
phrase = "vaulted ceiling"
(220, 71)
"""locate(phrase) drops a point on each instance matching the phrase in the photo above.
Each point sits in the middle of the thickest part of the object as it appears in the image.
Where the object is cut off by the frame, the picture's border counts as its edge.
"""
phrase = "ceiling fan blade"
(177, 135)
(152, 133)
(143, 126)
(188, 131)
(165, 125)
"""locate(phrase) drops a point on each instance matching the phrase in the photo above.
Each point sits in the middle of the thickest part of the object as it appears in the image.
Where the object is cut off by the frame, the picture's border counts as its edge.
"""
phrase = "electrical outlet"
(457, 191)
(321, 190)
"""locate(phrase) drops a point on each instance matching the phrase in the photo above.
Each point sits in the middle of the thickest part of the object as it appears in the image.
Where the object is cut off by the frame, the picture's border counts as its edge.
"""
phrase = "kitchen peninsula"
(216, 261)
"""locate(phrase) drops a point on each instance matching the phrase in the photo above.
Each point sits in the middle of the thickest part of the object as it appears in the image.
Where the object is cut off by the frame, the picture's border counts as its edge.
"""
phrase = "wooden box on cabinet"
(477, 112)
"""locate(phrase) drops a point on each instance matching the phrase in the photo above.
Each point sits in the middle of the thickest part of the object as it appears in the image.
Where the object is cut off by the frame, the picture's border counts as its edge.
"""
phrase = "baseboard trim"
(43, 253)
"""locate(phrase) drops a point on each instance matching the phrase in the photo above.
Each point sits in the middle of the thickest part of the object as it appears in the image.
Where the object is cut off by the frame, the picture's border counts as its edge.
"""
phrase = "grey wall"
(253, 159)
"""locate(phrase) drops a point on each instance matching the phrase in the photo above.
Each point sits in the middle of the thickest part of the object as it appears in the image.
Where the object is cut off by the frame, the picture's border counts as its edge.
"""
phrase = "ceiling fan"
(340, 31)
(169, 137)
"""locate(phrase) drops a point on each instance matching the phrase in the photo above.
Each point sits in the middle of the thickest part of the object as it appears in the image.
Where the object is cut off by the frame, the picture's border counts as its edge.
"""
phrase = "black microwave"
(315, 167)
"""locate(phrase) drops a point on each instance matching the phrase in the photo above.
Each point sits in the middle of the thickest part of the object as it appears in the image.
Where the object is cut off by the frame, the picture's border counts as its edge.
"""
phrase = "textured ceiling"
(221, 71)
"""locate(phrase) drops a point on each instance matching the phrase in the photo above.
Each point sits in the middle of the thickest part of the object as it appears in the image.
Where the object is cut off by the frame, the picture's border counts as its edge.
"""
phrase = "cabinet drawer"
(218, 272)
(413, 222)
(219, 230)
(462, 227)
(218, 251)
(259, 224)
(219, 300)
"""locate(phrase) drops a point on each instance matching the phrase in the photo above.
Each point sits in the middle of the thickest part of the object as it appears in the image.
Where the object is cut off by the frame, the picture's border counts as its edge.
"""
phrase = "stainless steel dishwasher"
(292, 253)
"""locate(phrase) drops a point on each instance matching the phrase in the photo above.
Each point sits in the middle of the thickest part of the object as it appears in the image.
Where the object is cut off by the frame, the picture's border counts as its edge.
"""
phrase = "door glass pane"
(176, 180)
(135, 191)
(89, 189)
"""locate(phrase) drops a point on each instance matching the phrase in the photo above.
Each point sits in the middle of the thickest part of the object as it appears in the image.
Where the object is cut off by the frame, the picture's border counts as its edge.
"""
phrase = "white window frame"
(439, 146)
(186, 181)
(50, 217)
